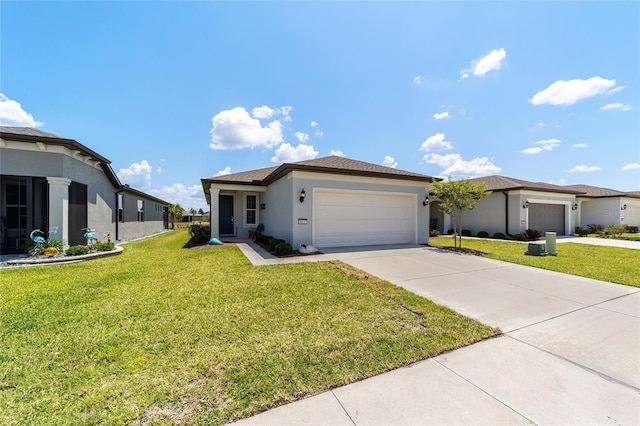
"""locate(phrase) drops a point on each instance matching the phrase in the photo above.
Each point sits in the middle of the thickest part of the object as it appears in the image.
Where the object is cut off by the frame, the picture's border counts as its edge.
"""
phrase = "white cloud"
(616, 90)
(336, 152)
(579, 145)
(389, 162)
(490, 62)
(417, 80)
(12, 114)
(545, 145)
(614, 106)
(569, 92)
(159, 170)
(302, 137)
(314, 124)
(136, 175)
(263, 112)
(583, 168)
(236, 129)
(632, 166)
(454, 165)
(286, 111)
(225, 171)
(187, 196)
(441, 116)
(319, 133)
(435, 143)
(288, 154)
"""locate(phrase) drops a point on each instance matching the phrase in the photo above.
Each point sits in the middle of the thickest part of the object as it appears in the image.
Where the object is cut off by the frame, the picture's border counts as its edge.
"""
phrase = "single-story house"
(52, 183)
(514, 206)
(604, 206)
(327, 202)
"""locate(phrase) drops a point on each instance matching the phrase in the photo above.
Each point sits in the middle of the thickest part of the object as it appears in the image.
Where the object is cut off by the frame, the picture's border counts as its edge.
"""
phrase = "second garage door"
(547, 218)
(356, 218)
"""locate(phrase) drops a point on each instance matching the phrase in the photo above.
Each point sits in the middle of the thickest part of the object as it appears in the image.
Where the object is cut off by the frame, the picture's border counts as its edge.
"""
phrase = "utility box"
(551, 243)
(536, 249)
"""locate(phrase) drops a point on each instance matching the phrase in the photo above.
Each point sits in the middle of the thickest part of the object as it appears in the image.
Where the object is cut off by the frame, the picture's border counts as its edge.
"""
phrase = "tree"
(455, 198)
(192, 210)
(200, 211)
(175, 213)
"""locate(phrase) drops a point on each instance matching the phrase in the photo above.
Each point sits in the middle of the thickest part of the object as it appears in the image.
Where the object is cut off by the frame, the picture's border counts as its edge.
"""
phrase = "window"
(140, 211)
(251, 215)
(120, 208)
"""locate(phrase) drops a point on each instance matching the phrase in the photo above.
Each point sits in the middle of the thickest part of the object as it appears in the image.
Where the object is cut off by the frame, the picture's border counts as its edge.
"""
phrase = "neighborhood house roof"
(29, 134)
(596, 192)
(501, 183)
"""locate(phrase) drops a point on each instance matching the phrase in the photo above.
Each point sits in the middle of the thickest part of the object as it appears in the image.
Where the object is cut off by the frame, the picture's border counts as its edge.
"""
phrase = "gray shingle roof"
(596, 192)
(27, 131)
(497, 183)
(331, 164)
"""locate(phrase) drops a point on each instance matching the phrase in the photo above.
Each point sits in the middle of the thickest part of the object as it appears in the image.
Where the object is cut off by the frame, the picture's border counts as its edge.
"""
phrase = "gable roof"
(331, 164)
(502, 183)
(29, 134)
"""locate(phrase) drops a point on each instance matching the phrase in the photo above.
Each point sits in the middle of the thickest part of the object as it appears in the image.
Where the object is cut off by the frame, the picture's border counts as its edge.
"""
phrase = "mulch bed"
(460, 250)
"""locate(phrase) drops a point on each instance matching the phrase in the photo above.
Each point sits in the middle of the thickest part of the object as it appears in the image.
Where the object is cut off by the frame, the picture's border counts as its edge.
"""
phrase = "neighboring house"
(514, 206)
(604, 206)
(327, 202)
(195, 217)
(49, 182)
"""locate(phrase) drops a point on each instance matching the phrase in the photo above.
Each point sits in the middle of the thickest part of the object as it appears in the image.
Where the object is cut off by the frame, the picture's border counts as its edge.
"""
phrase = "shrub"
(77, 250)
(595, 228)
(499, 236)
(38, 249)
(200, 233)
(274, 242)
(434, 233)
(581, 231)
(450, 232)
(283, 249)
(519, 237)
(483, 234)
(466, 233)
(616, 229)
(532, 234)
(108, 246)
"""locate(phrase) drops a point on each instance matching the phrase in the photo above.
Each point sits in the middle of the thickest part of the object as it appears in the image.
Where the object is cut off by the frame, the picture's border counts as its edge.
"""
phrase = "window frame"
(247, 209)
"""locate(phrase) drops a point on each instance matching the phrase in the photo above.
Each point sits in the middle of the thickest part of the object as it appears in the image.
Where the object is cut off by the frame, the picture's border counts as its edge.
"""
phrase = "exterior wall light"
(525, 205)
(575, 207)
(302, 195)
(624, 207)
(426, 201)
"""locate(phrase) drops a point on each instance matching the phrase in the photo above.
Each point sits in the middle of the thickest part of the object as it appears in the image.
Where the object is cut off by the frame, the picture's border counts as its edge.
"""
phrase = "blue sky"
(172, 92)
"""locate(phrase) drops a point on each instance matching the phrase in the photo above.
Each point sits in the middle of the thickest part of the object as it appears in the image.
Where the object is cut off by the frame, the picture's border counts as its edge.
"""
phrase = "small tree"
(200, 211)
(456, 197)
(175, 213)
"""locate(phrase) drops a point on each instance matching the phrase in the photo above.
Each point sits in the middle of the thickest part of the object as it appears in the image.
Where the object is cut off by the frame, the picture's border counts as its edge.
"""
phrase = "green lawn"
(166, 335)
(613, 264)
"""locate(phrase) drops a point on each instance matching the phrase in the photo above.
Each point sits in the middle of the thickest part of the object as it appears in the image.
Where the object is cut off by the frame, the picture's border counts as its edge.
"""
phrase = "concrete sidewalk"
(570, 353)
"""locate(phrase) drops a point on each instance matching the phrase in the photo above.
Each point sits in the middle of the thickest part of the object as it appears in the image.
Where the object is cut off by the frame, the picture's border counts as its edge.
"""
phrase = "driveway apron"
(570, 352)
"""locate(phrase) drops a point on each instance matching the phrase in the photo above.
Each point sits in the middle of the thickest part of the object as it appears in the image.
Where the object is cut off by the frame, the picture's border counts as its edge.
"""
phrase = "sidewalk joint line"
(344, 409)
(581, 366)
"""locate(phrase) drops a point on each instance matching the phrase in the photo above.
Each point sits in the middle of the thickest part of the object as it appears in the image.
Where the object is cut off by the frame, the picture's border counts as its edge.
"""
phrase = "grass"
(166, 335)
(612, 264)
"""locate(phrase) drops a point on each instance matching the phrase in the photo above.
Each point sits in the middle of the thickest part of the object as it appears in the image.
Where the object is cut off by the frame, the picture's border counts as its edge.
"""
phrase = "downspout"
(506, 213)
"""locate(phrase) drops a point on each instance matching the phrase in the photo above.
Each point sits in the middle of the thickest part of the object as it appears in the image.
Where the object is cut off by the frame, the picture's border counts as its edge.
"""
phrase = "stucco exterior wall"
(131, 227)
(279, 202)
(600, 211)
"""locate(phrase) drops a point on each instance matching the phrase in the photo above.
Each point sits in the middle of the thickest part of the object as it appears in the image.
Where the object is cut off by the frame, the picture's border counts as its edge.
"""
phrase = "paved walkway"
(570, 353)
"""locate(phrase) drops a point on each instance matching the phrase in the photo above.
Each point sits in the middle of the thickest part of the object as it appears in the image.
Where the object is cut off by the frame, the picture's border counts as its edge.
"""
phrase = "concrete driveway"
(570, 353)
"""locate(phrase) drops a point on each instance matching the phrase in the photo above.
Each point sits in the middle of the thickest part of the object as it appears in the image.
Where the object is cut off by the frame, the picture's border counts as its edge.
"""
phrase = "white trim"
(245, 224)
(239, 188)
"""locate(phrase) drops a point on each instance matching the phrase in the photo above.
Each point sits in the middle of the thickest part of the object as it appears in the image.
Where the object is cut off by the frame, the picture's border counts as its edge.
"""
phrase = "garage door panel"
(547, 218)
(363, 218)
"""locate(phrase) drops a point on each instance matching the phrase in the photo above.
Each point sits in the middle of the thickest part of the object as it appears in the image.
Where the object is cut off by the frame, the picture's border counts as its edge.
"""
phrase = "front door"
(226, 214)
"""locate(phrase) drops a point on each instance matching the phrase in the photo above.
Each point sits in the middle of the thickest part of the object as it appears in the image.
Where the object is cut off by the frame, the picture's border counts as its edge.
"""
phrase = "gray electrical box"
(536, 249)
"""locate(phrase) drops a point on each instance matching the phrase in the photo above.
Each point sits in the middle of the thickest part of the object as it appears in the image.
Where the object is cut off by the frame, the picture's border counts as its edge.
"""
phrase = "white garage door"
(632, 216)
(356, 218)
